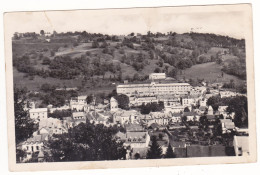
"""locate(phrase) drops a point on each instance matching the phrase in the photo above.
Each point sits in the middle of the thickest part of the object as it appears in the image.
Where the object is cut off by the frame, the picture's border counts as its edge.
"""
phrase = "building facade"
(153, 89)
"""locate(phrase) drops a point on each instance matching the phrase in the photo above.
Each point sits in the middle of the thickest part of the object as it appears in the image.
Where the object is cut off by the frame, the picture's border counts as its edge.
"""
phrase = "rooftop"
(38, 110)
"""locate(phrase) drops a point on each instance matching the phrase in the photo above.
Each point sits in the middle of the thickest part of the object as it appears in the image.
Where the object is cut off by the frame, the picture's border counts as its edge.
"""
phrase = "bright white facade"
(113, 104)
(78, 103)
(157, 76)
(38, 113)
(154, 89)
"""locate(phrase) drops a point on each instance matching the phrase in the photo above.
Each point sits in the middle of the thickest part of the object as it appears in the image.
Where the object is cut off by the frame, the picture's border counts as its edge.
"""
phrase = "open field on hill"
(208, 71)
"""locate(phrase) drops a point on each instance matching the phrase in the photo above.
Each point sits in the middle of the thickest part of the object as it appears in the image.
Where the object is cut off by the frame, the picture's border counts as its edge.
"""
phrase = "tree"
(186, 109)
(173, 73)
(87, 142)
(89, 99)
(157, 70)
(24, 125)
(155, 151)
(169, 152)
(42, 32)
(95, 44)
(123, 101)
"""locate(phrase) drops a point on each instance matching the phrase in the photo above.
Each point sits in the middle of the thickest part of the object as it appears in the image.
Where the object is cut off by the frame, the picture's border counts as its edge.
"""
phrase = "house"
(38, 114)
(241, 145)
(174, 109)
(123, 116)
(78, 117)
(210, 110)
(133, 127)
(161, 118)
(191, 116)
(113, 104)
(34, 144)
(134, 139)
(176, 117)
(51, 126)
(227, 125)
(78, 103)
(157, 76)
(188, 101)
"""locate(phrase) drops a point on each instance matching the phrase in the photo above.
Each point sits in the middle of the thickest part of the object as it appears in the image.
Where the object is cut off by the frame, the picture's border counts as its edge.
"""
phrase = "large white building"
(38, 113)
(154, 89)
(78, 103)
(157, 76)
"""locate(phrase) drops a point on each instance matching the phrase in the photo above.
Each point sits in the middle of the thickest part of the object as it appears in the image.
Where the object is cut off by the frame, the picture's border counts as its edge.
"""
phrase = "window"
(37, 148)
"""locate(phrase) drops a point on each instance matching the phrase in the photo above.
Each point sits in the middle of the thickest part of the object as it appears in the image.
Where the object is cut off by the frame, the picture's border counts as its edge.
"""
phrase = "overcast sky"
(125, 21)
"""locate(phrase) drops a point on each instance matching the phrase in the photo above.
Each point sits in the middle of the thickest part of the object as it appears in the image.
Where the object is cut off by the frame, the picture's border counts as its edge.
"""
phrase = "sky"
(139, 20)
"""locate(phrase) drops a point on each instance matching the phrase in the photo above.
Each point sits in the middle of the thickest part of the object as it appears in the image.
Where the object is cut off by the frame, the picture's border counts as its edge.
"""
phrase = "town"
(128, 97)
(178, 115)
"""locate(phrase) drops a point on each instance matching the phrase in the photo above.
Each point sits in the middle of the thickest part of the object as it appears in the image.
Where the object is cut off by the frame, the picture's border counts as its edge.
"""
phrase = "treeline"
(237, 104)
(64, 67)
(151, 107)
(86, 142)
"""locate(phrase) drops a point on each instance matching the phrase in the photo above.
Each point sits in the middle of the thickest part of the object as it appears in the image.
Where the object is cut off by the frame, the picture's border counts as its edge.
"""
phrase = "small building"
(227, 125)
(113, 104)
(34, 145)
(157, 76)
(134, 139)
(78, 103)
(241, 145)
(38, 114)
(191, 116)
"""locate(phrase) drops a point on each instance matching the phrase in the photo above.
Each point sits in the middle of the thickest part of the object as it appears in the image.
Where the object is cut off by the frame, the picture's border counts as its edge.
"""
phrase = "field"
(208, 71)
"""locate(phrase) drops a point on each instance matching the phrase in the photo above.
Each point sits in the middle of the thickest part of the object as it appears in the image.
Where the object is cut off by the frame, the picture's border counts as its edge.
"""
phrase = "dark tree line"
(87, 142)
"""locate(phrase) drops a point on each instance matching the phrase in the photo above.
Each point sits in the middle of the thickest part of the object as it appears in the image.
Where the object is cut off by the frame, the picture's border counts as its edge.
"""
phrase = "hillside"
(94, 61)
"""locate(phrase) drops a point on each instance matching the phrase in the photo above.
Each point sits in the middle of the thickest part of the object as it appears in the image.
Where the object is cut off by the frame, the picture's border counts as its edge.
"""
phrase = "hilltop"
(97, 61)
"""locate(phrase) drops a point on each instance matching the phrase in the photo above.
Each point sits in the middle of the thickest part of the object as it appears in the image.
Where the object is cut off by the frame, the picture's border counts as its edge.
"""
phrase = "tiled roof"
(131, 137)
(77, 114)
(133, 127)
(39, 110)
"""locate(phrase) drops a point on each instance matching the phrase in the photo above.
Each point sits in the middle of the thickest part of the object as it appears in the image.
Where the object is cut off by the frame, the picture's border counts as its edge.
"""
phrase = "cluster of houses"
(182, 103)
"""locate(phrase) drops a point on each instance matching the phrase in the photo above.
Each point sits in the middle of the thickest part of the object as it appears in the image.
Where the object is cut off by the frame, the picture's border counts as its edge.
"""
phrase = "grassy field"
(208, 71)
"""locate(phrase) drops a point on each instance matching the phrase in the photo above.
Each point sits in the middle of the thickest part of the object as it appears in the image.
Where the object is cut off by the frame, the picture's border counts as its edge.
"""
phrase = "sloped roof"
(176, 114)
(38, 110)
(77, 114)
(37, 138)
(133, 127)
(189, 113)
(132, 137)
(154, 125)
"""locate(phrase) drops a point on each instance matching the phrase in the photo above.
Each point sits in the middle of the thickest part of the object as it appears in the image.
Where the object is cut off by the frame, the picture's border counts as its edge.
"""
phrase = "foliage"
(123, 101)
(155, 151)
(169, 152)
(87, 142)
(151, 107)
(59, 114)
(24, 126)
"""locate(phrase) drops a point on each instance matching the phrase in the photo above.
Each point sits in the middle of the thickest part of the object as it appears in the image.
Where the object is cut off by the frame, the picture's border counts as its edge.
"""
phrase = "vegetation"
(151, 107)
(155, 151)
(87, 142)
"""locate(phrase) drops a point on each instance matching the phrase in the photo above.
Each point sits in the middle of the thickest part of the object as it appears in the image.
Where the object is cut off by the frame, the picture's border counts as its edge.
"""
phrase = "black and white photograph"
(132, 87)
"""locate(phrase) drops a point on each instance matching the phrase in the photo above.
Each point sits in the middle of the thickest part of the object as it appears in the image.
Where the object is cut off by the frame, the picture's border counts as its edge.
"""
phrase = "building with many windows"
(38, 113)
(157, 76)
(154, 89)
